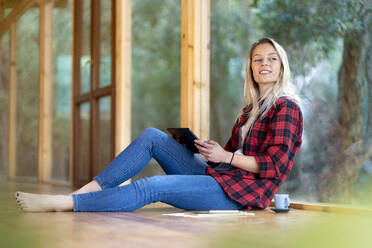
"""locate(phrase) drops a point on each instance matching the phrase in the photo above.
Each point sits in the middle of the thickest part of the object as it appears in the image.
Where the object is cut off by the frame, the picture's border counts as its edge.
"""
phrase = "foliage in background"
(156, 64)
(319, 34)
(62, 31)
(27, 47)
(232, 32)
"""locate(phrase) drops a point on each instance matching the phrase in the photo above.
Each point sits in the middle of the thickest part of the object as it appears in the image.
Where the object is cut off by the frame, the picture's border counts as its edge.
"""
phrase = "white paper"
(212, 213)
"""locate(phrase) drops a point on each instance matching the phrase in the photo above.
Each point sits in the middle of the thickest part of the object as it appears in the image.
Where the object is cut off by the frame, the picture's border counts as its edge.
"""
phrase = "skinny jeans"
(184, 186)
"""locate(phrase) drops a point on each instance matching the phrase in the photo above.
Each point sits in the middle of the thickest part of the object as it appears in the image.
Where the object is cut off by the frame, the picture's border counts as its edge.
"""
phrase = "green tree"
(156, 32)
(310, 29)
(233, 29)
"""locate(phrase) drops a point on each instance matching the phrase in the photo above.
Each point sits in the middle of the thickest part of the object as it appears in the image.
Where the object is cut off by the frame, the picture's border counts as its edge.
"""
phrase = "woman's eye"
(257, 60)
(273, 59)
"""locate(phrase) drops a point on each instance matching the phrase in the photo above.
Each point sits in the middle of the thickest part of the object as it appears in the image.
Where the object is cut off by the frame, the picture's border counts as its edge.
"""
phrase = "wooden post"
(2, 163)
(123, 75)
(195, 66)
(12, 101)
(76, 41)
(46, 91)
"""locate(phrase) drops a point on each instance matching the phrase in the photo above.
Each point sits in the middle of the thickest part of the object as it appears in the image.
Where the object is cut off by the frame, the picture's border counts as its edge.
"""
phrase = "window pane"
(228, 55)
(334, 164)
(104, 133)
(4, 101)
(85, 59)
(27, 49)
(62, 91)
(83, 166)
(156, 67)
(106, 39)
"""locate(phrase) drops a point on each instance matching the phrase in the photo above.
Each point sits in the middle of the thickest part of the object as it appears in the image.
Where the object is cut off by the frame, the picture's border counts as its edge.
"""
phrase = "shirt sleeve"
(284, 127)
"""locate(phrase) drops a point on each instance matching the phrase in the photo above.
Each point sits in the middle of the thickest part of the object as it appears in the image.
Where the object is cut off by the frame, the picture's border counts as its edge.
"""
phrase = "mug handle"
(287, 202)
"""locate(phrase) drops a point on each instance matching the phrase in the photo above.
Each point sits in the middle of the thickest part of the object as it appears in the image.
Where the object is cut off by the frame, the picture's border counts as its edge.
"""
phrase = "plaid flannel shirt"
(274, 142)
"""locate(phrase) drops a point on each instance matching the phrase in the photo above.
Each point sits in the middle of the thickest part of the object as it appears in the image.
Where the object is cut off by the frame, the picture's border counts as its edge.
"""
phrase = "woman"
(245, 174)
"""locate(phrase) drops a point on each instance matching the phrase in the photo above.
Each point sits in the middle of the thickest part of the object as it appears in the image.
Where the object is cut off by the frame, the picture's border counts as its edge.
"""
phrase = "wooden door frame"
(95, 92)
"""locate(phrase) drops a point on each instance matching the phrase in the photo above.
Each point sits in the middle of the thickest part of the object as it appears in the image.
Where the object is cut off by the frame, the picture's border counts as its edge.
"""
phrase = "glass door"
(93, 88)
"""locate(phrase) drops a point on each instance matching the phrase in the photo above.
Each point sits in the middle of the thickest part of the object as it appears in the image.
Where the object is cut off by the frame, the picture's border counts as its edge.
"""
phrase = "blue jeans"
(185, 186)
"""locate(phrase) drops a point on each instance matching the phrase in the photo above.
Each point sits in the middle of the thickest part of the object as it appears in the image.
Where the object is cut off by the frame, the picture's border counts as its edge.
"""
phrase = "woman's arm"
(248, 163)
(213, 152)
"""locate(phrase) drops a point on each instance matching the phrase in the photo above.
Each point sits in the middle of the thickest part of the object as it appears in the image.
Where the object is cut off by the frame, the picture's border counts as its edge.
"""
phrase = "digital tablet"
(185, 137)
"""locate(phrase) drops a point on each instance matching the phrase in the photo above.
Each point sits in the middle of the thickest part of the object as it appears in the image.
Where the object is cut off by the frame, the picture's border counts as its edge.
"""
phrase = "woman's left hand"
(212, 151)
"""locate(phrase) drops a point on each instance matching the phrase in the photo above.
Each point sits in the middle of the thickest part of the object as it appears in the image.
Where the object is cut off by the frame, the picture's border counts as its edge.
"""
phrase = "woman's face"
(265, 64)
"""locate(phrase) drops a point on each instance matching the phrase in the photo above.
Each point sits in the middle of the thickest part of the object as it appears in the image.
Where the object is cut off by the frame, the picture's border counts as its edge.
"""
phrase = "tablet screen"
(185, 137)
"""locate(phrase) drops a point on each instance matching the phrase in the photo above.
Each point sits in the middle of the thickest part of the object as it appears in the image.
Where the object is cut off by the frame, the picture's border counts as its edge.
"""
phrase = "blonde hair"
(260, 105)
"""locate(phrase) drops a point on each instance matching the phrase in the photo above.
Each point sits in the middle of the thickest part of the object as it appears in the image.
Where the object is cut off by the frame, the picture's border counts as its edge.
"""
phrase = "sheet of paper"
(209, 214)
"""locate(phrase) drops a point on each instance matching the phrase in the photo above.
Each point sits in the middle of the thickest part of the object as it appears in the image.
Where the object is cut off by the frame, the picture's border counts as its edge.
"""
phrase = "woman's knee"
(159, 182)
(154, 134)
(151, 131)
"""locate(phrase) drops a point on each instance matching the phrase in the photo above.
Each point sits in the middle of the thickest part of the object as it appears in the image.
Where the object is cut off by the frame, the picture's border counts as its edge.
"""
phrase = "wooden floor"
(149, 227)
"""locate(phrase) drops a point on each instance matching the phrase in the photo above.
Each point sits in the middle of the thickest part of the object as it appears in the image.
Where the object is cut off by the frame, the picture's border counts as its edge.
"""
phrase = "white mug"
(281, 201)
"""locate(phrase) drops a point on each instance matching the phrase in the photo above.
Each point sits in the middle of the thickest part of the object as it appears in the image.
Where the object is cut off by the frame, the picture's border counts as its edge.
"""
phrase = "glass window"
(155, 67)
(27, 49)
(62, 91)
(106, 41)
(229, 48)
(85, 57)
(329, 70)
(83, 165)
(4, 101)
(104, 133)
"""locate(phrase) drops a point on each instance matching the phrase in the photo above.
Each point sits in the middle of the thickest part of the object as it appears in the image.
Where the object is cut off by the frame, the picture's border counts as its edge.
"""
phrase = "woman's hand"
(212, 151)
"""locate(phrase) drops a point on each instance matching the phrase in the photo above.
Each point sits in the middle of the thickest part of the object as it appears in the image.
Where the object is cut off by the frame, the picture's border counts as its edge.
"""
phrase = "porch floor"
(149, 227)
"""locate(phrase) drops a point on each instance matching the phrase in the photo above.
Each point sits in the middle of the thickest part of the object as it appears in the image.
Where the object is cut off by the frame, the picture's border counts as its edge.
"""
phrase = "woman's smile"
(265, 72)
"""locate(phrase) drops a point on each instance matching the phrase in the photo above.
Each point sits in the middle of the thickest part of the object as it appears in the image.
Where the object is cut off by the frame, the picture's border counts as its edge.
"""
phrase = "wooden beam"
(3, 163)
(186, 63)
(123, 75)
(205, 69)
(12, 101)
(329, 208)
(14, 15)
(195, 66)
(95, 34)
(75, 39)
(14, 3)
(46, 91)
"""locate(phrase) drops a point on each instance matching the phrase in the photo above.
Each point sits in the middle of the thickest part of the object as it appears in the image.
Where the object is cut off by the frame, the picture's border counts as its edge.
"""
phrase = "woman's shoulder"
(288, 101)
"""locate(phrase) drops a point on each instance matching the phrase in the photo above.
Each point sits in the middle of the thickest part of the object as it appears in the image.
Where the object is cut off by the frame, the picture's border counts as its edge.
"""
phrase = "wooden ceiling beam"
(11, 4)
(14, 15)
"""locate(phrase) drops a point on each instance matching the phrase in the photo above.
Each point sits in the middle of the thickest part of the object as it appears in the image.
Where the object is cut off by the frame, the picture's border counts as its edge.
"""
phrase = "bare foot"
(89, 187)
(43, 203)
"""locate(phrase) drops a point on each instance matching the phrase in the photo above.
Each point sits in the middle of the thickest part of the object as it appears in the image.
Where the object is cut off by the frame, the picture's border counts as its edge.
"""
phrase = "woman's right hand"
(212, 151)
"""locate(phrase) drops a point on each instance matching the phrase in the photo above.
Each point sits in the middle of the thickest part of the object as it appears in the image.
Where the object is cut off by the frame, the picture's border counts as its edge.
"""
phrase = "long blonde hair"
(260, 105)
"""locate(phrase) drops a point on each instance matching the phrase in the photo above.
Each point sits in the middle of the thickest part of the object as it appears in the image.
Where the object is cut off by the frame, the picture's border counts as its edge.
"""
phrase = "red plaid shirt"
(274, 142)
